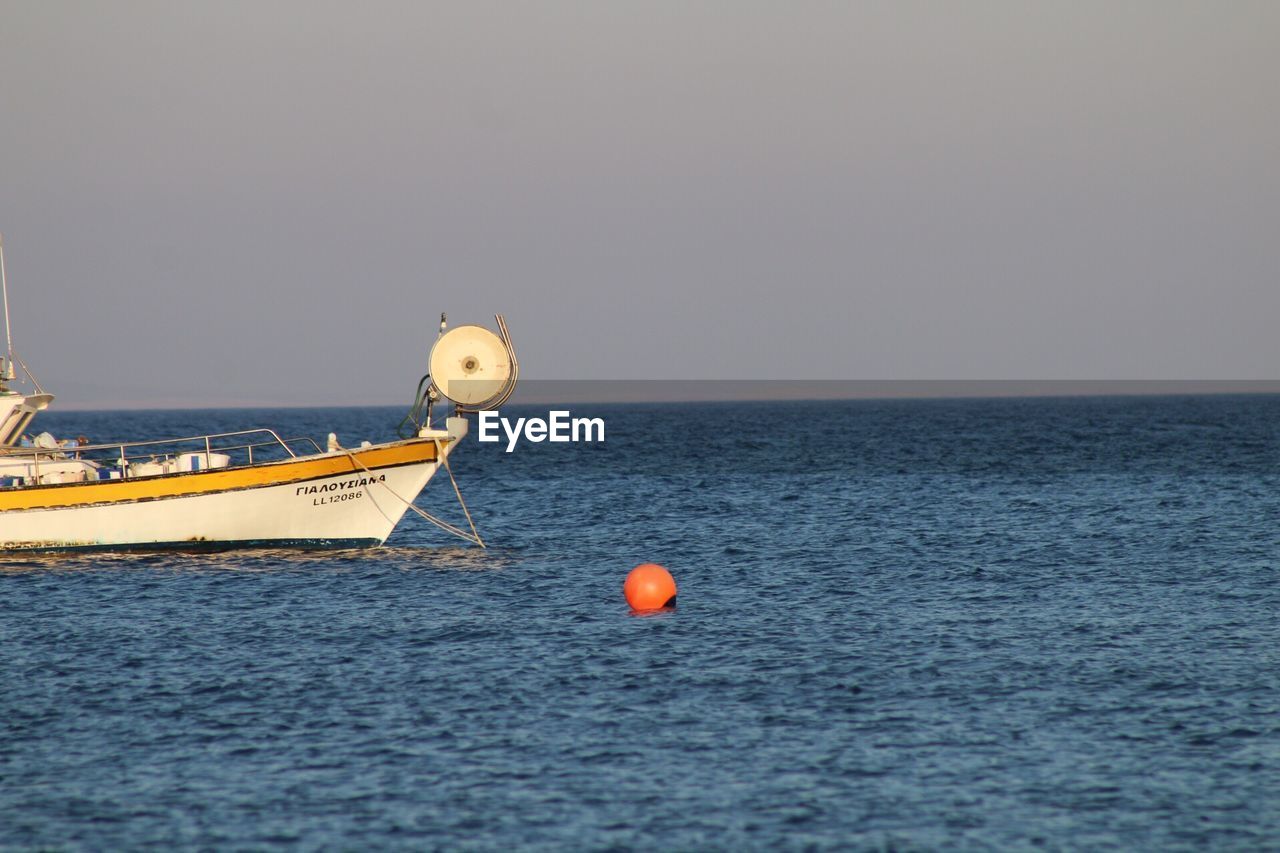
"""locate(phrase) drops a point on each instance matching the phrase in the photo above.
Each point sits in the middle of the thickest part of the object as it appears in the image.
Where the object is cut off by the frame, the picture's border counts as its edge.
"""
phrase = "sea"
(972, 624)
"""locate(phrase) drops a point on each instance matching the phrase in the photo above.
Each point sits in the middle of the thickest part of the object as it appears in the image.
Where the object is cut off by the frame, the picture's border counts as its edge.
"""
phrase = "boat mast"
(7, 374)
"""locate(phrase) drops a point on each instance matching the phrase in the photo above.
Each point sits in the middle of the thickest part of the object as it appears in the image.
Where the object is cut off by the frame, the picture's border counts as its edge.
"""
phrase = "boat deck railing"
(243, 447)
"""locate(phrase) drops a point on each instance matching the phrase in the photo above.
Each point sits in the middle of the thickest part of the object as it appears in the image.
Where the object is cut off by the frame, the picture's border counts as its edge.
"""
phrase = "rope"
(415, 411)
(444, 457)
(473, 536)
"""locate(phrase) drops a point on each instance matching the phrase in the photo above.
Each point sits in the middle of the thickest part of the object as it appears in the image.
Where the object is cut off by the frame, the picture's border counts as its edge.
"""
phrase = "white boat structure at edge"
(244, 489)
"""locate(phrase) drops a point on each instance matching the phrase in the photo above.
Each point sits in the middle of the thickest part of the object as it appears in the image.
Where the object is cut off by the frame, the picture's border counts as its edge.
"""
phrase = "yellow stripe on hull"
(218, 480)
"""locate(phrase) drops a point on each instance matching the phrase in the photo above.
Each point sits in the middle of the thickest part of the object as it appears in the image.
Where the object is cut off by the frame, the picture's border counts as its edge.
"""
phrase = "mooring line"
(441, 457)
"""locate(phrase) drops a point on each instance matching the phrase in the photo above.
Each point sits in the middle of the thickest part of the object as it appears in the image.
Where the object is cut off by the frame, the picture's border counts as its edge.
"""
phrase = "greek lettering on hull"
(354, 483)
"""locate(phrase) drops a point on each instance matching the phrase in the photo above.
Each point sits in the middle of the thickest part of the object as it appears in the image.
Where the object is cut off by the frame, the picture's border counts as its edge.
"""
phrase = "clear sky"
(271, 202)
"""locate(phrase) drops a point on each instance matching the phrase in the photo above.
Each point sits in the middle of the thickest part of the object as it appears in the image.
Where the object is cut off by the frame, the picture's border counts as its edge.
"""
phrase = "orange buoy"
(650, 587)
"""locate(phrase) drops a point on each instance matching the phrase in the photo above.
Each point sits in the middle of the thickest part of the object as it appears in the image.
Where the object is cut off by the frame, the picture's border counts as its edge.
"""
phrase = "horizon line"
(602, 391)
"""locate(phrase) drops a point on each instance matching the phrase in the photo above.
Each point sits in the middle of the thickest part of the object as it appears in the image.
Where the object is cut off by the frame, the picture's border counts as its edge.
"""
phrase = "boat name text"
(354, 483)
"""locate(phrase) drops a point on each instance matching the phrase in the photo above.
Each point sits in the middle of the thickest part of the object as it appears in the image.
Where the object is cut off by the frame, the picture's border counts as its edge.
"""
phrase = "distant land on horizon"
(541, 392)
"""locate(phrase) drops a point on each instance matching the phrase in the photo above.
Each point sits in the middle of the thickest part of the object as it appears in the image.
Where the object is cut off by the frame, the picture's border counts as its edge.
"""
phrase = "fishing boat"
(245, 489)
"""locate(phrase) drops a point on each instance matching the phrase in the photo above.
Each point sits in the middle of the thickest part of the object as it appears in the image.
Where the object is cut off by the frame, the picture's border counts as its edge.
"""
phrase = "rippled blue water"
(911, 624)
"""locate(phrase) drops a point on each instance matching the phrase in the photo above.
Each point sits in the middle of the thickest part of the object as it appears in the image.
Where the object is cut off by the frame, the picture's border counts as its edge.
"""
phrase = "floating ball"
(650, 587)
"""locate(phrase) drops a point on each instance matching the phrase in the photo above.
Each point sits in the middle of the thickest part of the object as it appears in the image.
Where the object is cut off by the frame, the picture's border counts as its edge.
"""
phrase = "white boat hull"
(344, 499)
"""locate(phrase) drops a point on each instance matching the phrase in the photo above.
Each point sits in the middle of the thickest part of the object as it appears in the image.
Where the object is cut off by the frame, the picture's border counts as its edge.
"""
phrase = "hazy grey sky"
(273, 201)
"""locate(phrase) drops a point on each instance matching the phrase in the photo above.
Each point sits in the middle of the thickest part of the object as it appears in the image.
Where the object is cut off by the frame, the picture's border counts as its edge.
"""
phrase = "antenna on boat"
(7, 374)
